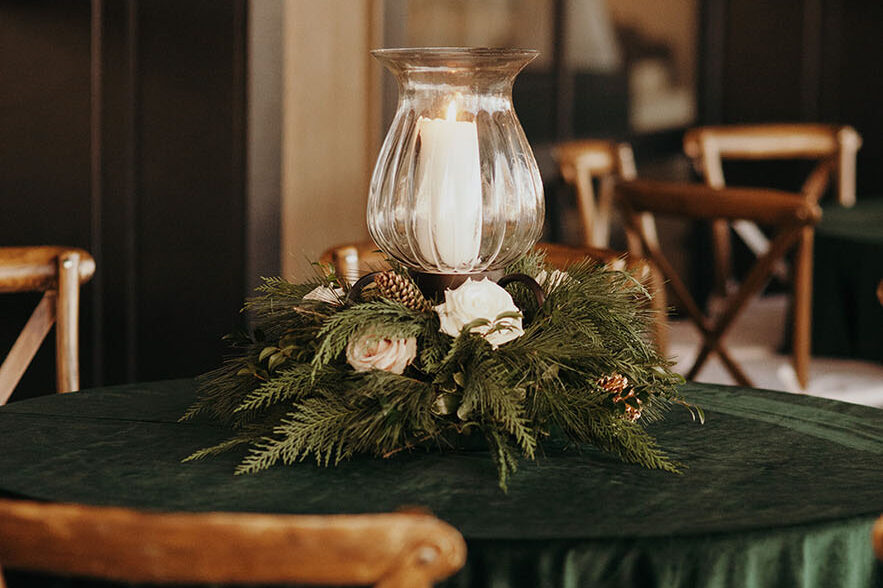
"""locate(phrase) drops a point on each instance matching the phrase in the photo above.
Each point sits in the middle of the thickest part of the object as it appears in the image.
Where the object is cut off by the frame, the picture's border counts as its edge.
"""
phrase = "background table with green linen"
(848, 267)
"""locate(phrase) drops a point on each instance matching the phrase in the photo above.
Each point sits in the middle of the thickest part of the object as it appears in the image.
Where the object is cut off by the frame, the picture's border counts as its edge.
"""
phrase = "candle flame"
(452, 110)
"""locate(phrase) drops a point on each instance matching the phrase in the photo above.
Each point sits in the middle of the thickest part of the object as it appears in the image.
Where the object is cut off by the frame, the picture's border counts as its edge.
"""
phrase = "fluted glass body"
(456, 188)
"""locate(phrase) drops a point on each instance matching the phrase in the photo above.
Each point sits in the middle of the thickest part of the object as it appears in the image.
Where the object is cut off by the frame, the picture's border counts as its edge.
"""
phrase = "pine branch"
(496, 402)
(219, 448)
(504, 456)
(383, 415)
(287, 384)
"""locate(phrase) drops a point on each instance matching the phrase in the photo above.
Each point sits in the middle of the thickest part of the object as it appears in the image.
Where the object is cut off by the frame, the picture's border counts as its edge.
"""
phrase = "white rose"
(480, 300)
(550, 282)
(370, 352)
(326, 294)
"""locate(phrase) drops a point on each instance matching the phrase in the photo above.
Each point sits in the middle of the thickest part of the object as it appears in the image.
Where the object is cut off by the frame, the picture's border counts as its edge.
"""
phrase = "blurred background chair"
(833, 147)
(395, 550)
(58, 273)
(582, 163)
(789, 215)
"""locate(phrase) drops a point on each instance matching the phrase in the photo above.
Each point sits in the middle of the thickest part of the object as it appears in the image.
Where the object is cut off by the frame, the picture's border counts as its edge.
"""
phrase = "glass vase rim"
(452, 57)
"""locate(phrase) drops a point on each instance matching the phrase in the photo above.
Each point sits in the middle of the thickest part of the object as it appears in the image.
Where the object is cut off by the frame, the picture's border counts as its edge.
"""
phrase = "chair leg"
(27, 345)
(66, 331)
(803, 307)
(720, 232)
(752, 284)
(660, 307)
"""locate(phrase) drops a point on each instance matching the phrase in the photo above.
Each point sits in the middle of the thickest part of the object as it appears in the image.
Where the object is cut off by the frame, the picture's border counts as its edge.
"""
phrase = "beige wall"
(330, 126)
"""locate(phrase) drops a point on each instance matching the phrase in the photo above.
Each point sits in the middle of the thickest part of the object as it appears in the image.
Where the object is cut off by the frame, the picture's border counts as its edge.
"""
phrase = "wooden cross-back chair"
(581, 163)
(789, 215)
(877, 538)
(393, 550)
(58, 273)
(833, 147)
(353, 260)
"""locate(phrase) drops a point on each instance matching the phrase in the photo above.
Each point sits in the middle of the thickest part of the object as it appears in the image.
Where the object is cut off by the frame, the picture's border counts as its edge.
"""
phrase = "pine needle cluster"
(584, 368)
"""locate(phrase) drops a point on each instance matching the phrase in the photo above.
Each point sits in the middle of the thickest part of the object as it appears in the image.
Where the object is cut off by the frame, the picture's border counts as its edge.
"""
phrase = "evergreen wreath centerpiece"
(467, 334)
(327, 378)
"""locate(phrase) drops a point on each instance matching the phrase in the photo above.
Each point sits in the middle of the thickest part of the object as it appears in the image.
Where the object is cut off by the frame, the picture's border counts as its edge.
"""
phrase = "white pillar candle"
(448, 201)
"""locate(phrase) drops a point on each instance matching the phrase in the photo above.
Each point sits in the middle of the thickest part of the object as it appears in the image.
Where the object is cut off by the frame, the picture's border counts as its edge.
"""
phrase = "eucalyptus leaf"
(267, 352)
(275, 360)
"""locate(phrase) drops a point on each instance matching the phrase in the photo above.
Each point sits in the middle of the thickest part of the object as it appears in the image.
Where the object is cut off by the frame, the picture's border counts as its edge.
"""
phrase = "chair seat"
(34, 269)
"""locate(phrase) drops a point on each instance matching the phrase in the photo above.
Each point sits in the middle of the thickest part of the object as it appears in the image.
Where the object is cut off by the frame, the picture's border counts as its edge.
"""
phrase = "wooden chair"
(582, 162)
(58, 273)
(395, 550)
(354, 260)
(790, 215)
(877, 538)
(833, 147)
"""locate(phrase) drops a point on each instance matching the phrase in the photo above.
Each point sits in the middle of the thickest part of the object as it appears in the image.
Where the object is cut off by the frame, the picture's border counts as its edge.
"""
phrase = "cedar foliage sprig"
(289, 395)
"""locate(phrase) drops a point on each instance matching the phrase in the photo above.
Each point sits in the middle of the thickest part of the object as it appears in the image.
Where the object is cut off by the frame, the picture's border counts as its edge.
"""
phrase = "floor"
(753, 343)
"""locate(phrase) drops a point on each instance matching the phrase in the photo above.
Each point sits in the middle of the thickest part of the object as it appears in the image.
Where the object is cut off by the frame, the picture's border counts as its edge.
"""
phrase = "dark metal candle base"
(433, 286)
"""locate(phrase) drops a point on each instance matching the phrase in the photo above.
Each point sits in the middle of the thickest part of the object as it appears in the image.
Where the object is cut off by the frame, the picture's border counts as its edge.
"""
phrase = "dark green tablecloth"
(780, 490)
(848, 265)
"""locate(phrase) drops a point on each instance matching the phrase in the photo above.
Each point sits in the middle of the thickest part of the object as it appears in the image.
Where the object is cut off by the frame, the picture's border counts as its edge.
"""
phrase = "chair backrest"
(583, 161)
(354, 260)
(394, 550)
(833, 146)
(58, 273)
(350, 261)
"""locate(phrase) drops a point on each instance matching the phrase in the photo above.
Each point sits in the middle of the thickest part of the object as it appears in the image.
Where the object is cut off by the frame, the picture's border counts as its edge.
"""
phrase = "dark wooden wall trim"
(712, 43)
(96, 68)
(811, 66)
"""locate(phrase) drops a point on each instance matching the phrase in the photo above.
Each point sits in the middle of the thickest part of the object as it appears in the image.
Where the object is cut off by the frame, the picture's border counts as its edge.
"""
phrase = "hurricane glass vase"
(456, 189)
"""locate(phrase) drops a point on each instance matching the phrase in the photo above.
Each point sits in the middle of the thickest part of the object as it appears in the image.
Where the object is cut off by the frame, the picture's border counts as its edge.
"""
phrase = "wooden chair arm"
(763, 206)
(35, 269)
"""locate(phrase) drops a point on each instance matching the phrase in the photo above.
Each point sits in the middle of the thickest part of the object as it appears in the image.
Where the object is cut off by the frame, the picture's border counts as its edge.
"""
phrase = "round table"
(779, 489)
(848, 268)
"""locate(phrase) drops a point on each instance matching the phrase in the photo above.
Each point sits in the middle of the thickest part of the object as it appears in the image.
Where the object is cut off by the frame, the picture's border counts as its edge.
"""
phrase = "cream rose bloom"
(370, 352)
(480, 300)
(326, 294)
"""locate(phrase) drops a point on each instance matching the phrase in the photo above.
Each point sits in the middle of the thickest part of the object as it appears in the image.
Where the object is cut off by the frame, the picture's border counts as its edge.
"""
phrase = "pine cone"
(614, 384)
(617, 385)
(395, 286)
